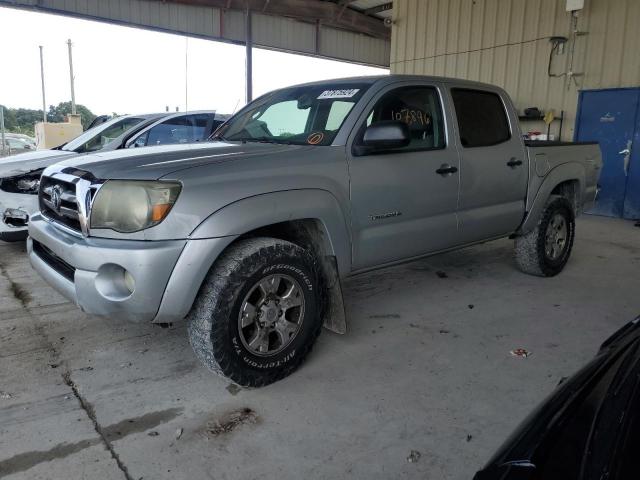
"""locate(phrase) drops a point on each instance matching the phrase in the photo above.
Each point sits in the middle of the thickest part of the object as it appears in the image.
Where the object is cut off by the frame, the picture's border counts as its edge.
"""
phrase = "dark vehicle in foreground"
(20, 176)
(589, 428)
(250, 235)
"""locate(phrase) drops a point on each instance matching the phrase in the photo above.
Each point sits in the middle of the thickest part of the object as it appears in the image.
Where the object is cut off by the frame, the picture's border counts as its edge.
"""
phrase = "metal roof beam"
(328, 13)
(378, 9)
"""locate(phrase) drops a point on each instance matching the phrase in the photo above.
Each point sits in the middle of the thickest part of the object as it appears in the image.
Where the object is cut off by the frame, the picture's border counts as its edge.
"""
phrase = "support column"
(249, 59)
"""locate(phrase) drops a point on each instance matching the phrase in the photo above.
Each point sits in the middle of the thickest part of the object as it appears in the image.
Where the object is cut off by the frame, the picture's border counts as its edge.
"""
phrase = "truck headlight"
(130, 206)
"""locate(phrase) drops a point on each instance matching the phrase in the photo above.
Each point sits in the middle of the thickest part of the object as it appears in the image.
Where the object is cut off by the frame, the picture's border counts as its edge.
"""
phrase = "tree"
(57, 114)
(21, 120)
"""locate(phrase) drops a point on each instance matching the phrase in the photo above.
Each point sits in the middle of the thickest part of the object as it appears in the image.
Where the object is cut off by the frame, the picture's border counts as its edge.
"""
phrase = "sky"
(127, 70)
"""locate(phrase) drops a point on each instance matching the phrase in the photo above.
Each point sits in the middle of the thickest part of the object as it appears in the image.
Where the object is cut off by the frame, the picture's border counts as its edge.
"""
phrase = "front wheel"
(257, 315)
(546, 249)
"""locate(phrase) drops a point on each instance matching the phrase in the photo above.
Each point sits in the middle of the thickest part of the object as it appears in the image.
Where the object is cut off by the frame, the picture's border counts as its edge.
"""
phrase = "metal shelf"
(540, 118)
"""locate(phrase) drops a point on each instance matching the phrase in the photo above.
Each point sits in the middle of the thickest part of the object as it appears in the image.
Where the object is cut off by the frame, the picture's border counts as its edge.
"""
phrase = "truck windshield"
(307, 115)
(97, 137)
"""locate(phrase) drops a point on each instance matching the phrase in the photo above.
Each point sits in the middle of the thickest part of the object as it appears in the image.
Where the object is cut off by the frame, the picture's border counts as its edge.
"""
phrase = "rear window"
(482, 120)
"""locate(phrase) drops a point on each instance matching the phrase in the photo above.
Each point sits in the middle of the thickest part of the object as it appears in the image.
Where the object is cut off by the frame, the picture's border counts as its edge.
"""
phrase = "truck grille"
(58, 202)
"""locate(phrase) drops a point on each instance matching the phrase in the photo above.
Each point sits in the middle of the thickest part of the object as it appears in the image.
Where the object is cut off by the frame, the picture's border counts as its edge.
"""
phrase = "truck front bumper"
(135, 280)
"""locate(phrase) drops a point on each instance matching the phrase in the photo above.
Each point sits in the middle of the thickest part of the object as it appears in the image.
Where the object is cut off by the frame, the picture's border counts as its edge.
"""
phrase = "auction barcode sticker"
(338, 93)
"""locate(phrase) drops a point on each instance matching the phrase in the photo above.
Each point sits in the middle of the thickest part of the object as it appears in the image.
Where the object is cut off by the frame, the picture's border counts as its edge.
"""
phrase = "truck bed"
(583, 158)
(554, 143)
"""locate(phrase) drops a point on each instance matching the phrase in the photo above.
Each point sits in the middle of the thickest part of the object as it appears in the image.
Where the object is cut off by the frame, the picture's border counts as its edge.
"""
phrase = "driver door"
(404, 200)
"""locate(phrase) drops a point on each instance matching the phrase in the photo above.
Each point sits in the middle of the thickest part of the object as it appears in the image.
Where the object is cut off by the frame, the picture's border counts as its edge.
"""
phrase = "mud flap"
(334, 315)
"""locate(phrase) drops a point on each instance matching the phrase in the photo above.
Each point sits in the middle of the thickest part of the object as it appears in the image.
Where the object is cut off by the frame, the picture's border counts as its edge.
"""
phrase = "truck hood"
(30, 161)
(151, 163)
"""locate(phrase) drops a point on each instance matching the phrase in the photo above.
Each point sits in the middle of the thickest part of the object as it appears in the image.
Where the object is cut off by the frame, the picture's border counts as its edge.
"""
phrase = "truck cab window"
(283, 119)
(482, 120)
(419, 108)
(304, 115)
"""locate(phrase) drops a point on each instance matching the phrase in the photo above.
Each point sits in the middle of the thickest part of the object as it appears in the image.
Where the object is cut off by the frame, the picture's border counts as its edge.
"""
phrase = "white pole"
(73, 93)
(44, 103)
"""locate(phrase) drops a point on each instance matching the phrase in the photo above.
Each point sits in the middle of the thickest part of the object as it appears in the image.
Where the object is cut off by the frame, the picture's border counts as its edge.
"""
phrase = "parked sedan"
(20, 175)
(589, 428)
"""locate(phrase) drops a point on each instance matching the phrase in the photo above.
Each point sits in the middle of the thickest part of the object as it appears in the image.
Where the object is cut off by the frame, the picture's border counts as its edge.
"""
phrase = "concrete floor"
(425, 367)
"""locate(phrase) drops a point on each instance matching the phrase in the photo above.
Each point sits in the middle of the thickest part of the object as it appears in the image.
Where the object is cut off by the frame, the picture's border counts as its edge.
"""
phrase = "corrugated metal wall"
(506, 42)
(228, 26)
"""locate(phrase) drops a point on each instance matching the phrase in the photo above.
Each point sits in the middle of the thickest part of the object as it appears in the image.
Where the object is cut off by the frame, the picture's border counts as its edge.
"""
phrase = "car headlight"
(130, 206)
(27, 183)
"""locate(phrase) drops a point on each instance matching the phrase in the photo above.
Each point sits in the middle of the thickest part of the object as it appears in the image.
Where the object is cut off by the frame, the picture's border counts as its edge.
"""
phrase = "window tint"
(305, 115)
(337, 114)
(200, 123)
(482, 120)
(97, 137)
(175, 130)
(283, 119)
(419, 108)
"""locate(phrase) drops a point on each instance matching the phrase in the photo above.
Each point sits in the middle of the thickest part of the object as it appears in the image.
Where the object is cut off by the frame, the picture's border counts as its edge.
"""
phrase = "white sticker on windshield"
(338, 93)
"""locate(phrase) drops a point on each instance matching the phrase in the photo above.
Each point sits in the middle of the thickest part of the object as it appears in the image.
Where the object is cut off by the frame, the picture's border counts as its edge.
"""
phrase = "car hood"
(151, 163)
(30, 161)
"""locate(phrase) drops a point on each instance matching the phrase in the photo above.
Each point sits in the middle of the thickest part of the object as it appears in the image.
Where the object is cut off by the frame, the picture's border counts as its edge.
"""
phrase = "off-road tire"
(530, 254)
(213, 321)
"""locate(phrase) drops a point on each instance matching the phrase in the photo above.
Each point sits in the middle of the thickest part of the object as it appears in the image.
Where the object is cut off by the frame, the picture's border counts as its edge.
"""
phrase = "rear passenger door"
(493, 167)
(401, 206)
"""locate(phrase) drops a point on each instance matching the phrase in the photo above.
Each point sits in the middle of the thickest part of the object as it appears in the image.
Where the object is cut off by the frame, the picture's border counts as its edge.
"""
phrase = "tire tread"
(220, 287)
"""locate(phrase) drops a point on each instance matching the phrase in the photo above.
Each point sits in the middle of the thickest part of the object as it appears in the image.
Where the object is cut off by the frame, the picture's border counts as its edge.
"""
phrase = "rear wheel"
(257, 315)
(546, 249)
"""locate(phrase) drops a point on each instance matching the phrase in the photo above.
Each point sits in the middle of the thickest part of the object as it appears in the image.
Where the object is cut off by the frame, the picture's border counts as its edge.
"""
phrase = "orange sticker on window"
(315, 138)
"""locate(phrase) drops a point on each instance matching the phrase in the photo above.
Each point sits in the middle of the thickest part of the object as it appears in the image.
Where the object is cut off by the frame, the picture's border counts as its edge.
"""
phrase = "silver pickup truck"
(249, 235)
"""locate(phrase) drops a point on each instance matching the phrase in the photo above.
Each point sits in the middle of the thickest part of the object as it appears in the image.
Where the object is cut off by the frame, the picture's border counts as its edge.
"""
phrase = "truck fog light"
(129, 281)
(114, 282)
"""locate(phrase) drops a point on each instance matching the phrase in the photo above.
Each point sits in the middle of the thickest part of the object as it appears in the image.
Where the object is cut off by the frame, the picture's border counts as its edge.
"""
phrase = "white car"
(20, 174)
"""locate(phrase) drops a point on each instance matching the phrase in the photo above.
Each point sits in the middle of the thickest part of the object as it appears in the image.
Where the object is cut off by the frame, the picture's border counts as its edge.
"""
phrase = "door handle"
(627, 156)
(513, 163)
(446, 169)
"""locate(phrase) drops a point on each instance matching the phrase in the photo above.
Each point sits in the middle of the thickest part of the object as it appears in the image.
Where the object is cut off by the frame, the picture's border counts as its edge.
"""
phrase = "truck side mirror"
(385, 135)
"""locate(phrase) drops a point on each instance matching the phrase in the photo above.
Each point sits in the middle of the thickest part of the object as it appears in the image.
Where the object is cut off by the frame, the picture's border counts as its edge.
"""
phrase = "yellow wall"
(506, 42)
(50, 135)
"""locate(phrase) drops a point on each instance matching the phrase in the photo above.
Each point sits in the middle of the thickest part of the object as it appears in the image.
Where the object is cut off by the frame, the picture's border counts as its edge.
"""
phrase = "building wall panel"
(506, 42)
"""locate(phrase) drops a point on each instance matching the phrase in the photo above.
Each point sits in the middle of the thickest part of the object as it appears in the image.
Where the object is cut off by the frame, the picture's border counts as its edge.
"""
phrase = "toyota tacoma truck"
(248, 236)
